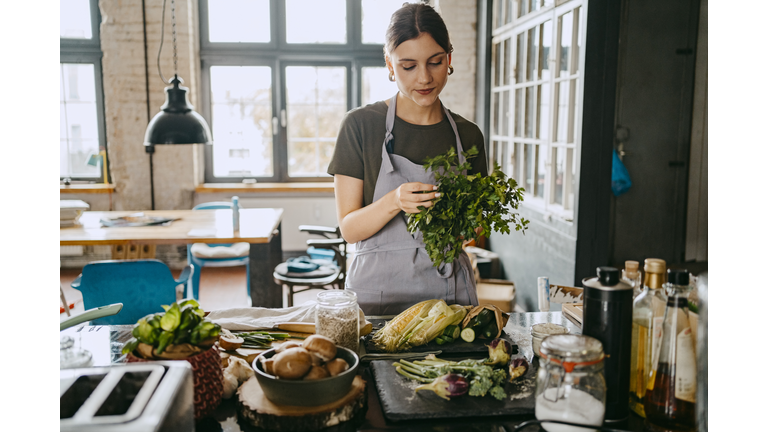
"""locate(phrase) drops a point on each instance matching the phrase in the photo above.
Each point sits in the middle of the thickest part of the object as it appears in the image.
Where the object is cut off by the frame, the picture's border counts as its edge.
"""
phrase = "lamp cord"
(162, 37)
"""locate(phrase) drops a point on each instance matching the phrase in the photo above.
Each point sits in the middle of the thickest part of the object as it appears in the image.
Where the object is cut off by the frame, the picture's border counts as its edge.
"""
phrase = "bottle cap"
(608, 276)
(631, 267)
(655, 265)
(678, 277)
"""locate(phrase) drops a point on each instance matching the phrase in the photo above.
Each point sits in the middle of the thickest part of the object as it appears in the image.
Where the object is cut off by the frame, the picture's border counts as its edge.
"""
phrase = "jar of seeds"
(337, 318)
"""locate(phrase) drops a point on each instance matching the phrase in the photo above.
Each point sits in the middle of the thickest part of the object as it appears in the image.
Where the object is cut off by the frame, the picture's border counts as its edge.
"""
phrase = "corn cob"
(418, 325)
(391, 334)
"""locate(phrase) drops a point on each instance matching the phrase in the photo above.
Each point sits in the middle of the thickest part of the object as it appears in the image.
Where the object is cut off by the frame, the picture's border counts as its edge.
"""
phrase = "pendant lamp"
(177, 122)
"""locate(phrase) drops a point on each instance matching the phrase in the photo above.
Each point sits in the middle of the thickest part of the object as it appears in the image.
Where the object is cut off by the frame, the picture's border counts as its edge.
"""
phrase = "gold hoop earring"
(450, 70)
(392, 76)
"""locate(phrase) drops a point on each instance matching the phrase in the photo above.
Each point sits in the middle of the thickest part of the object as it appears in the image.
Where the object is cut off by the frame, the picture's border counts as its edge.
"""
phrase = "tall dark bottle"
(670, 400)
(608, 318)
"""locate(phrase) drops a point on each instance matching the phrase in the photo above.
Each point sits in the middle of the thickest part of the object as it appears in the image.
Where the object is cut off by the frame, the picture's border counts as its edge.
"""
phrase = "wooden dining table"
(260, 227)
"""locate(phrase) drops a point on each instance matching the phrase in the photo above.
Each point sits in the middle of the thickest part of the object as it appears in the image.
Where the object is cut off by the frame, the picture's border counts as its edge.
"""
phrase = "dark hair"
(413, 19)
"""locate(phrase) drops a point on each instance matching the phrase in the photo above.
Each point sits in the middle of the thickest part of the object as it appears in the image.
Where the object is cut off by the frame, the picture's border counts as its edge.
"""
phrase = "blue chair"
(217, 255)
(142, 286)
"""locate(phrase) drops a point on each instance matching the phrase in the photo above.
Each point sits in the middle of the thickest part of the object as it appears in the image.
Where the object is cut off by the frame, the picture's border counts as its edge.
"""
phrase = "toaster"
(151, 396)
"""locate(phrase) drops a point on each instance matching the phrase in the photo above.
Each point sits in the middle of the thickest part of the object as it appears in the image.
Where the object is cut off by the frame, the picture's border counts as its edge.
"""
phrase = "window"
(535, 99)
(278, 78)
(82, 141)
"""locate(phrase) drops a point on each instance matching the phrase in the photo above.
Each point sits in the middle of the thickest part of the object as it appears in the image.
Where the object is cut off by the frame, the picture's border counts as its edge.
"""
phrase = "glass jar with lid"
(71, 356)
(570, 385)
(337, 318)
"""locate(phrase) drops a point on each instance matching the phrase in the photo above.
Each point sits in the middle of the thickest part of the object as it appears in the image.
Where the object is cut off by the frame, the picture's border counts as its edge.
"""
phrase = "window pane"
(78, 129)
(508, 70)
(519, 69)
(75, 19)
(316, 104)
(304, 26)
(542, 125)
(559, 177)
(519, 112)
(571, 109)
(239, 21)
(545, 43)
(241, 120)
(540, 171)
(528, 169)
(522, 7)
(530, 109)
(566, 35)
(505, 113)
(577, 46)
(376, 15)
(510, 163)
(502, 12)
(570, 164)
(530, 62)
(563, 96)
(495, 113)
(497, 61)
(376, 85)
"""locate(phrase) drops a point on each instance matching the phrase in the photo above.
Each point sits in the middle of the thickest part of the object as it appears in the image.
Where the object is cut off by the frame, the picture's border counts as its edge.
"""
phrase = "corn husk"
(418, 325)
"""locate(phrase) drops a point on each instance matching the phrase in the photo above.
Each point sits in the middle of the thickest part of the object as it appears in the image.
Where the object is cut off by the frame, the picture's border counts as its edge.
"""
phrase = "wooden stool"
(260, 412)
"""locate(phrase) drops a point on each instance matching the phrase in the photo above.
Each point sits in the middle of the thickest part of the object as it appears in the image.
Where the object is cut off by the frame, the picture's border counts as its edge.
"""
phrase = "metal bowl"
(307, 393)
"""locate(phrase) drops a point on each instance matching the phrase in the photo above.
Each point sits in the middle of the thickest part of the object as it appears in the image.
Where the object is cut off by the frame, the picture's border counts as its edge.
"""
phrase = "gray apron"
(391, 270)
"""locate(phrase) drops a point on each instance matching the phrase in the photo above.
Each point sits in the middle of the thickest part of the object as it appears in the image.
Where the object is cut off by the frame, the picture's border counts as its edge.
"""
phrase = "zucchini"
(439, 340)
(482, 319)
(468, 335)
(489, 331)
(447, 339)
(452, 331)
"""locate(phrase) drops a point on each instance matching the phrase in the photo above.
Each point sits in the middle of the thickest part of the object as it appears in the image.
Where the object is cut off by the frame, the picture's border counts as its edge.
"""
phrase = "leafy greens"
(466, 202)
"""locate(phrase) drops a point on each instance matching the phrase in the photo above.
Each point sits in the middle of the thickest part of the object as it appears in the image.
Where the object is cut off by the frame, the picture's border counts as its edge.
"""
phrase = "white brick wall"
(460, 17)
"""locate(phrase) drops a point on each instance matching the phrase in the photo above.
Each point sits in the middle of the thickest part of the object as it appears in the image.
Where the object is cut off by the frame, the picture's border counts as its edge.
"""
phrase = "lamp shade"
(177, 122)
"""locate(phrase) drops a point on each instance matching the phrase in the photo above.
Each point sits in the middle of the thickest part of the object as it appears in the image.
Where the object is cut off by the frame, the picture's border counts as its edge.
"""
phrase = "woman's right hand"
(410, 196)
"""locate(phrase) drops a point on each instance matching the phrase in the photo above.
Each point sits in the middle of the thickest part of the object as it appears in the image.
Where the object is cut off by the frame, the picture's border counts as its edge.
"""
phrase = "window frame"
(88, 51)
(500, 144)
(278, 55)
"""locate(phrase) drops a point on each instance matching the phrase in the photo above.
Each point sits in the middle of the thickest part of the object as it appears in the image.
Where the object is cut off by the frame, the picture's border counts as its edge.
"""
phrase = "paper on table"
(198, 232)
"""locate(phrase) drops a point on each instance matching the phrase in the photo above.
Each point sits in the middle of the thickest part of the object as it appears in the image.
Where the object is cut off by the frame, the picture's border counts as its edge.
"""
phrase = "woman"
(379, 176)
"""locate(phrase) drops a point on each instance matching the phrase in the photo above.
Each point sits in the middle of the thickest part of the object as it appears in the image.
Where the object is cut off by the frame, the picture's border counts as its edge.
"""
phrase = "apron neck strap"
(388, 146)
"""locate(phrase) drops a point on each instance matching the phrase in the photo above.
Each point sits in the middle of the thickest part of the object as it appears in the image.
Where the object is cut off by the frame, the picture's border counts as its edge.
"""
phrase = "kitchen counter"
(105, 342)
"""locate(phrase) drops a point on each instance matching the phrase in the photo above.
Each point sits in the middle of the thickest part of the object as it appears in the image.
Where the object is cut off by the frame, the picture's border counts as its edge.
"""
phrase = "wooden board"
(459, 346)
(249, 354)
(258, 411)
(400, 402)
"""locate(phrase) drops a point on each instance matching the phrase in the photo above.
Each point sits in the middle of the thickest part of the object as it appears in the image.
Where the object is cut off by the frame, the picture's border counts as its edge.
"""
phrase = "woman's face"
(421, 69)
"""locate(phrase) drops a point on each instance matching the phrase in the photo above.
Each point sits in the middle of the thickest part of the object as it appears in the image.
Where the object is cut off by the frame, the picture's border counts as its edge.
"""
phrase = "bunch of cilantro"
(466, 202)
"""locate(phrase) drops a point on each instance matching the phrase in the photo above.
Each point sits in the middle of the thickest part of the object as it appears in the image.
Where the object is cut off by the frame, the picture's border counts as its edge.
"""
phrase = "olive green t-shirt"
(361, 136)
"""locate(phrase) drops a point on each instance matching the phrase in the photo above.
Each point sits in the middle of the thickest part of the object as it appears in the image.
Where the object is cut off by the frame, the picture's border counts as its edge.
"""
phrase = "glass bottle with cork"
(670, 400)
(631, 275)
(647, 320)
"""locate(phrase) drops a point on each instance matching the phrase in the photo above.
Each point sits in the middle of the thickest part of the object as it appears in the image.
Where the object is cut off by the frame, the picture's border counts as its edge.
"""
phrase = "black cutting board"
(400, 402)
(459, 346)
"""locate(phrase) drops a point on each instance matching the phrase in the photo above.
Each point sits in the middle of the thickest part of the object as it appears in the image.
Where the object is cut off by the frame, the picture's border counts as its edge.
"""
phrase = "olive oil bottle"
(670, 399)
(647, 320)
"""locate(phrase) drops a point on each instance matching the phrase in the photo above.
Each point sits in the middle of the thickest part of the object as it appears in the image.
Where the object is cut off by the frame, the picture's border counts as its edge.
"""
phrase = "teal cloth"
(302, 264)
